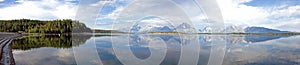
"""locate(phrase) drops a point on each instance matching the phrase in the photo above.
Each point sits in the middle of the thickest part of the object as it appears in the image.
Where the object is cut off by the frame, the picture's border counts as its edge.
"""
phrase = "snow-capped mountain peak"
(239, 29)
(184, 25)
(151, 28)
(186, 28)
(227, 29)
(234, 29)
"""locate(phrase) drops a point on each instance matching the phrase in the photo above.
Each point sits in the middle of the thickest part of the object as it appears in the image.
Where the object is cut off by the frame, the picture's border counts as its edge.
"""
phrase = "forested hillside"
(38, 26)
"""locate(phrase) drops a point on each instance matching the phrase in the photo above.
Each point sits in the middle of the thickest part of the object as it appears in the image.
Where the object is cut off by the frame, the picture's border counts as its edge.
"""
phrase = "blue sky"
(277, 14)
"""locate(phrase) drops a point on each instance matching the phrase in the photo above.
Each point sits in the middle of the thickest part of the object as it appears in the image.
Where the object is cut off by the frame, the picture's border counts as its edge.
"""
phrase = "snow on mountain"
(206, 30)
(229, 29)
(234, 29)
(238, 29)
(135, 28)
(144, 28)
(151, 28)
(186, 28)
(161, 29)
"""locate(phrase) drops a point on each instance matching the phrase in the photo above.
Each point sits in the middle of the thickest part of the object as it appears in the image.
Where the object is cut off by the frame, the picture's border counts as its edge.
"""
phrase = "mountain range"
(187, 28)
(237, 29)
(262, 30)
(184, 27)
(185, 39)
(151, 28)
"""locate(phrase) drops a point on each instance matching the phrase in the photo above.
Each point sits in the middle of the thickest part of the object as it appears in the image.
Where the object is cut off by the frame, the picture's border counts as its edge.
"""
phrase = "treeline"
(106, 31)
(38, 26)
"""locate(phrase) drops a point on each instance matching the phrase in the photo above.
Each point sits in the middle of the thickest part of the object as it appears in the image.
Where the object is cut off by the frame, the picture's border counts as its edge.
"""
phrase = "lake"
(155, 49)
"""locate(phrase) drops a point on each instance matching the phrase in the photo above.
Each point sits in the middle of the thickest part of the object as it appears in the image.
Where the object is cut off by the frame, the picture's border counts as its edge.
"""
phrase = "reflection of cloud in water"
(243, 55)
(260, 38)
(284, 51)
(65, 55)
(44, 56)
(291, 42)
(239, 51)
(182, 39)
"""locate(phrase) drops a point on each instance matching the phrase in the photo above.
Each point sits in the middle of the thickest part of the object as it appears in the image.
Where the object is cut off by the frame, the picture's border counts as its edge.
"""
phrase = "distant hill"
(262, 30)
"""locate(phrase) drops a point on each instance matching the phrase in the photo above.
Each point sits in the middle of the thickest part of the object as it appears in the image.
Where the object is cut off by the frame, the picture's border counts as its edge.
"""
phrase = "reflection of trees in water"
(30, 42)
(79, 39)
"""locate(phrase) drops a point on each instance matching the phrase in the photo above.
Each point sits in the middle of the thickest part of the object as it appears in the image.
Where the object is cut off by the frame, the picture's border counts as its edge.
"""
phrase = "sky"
(118, 14)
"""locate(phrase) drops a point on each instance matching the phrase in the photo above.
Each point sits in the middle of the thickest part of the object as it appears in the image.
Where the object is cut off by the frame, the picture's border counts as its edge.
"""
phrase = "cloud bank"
(38, 9)
(277, 14)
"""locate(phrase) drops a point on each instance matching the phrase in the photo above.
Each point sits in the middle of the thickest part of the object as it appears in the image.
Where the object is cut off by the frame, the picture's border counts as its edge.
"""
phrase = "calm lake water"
(153, 49)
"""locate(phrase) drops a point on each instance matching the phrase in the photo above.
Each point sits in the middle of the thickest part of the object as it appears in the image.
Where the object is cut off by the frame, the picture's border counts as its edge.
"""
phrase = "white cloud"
(237, 13)
(176, 12)
(45, 9)
(290, 11)
(1, 0)
(20, 1)
(88, 12)
(139, 9)
(292, 25)
(101, 2)
(115, 13)
(64, 11)
(234, 12)
(155, 21)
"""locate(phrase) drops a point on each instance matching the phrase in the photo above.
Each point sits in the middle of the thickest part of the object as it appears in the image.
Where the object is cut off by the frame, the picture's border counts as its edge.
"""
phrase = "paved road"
(6, 56)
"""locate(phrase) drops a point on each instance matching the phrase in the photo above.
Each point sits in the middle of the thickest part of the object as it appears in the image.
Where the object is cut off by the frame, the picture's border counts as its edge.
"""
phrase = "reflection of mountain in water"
(142, 40)
(28, 43)
(185, 39)
(260, 38)
(145, 28)
(182, 39)
(238, 49)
